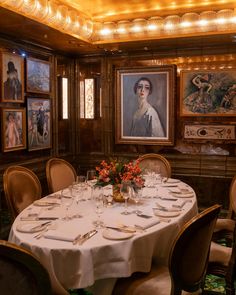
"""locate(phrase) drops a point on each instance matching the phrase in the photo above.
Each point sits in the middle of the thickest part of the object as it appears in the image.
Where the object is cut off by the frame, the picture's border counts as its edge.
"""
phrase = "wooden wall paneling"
(213, 165)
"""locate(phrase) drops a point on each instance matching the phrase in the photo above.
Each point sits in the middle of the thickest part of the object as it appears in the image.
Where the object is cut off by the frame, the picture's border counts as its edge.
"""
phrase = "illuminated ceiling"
(111, 10)
(99, 22)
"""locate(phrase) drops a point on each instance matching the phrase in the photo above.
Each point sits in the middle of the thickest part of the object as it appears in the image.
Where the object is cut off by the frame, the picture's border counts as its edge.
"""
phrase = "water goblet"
(98, 204)
(125, 190)
(66, 200)
(137, 195)
(91, 176)
(81, 180)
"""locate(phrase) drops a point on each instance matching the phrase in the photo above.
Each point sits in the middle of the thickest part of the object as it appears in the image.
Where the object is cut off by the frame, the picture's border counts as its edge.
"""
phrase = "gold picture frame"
(38, 76)
(13, 129)
(12, 82)
(154, 124)
(208, 92)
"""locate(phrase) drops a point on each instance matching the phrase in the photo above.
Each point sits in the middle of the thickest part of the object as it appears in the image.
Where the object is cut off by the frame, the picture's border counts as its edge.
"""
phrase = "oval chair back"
(21, 187)
(60, 174)
(156, 163)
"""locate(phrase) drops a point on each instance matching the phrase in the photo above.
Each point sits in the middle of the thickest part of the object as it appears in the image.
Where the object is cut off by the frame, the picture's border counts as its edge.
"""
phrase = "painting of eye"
(202, 132)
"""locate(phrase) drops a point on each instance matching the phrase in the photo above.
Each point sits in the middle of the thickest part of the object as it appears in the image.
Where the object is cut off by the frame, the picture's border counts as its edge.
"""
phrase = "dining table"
(80, 252)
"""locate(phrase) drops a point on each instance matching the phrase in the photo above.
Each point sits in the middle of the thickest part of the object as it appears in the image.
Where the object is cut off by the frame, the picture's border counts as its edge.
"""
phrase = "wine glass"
(137, 194)
(66, 200)
(91, 175)
(125, 190)
(97, 199)
(81, 180)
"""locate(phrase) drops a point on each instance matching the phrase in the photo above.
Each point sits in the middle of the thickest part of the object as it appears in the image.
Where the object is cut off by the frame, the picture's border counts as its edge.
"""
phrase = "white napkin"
(145, 224)
(148, 192)
(54, 213)
(62, 235)
(66, 231)
(181, 205)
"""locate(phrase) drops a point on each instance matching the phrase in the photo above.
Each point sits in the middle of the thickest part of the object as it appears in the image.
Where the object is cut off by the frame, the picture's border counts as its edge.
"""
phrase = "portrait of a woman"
(146, 121)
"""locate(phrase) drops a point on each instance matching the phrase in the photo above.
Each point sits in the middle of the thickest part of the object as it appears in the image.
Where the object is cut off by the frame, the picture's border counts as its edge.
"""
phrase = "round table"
(100, 261)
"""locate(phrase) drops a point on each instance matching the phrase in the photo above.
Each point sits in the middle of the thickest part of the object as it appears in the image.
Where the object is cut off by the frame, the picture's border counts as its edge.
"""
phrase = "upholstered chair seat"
(220, 254)
(187, 262)
(157, 281)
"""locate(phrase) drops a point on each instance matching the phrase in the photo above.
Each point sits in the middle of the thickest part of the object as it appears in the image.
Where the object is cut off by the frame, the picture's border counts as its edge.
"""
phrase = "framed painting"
(12, 84)
(208, 93)
(206, 132)
(38, 78)
(13, 129)
(38, 123)
(145, 105)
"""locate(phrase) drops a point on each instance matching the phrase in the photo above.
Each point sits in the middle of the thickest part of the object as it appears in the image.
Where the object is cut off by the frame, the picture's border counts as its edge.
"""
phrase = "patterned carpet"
(212, 284)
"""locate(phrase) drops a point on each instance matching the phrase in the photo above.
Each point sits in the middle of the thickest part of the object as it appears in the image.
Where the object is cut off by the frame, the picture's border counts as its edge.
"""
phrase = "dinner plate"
(28, 227)
(44, 203)
(116, 235)
(183, 195)
(160, 213)
(172, 180)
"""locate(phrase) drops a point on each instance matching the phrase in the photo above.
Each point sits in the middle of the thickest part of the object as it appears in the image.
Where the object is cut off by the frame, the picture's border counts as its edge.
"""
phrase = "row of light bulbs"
(71, 21)
(54, 14)
(206, 21)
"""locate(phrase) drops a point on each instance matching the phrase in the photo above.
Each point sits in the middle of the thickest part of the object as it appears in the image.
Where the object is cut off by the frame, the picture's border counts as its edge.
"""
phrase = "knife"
(87, 236)
(40, 225)
(124, 230)
(37, 218)
(167, 209)
(76, 239)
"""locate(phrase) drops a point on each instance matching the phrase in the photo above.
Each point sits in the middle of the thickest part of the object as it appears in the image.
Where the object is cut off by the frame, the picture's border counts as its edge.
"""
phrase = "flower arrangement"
(115, 172)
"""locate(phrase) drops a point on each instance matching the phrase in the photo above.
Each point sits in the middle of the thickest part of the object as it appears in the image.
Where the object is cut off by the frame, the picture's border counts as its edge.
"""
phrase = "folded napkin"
(55, 213)
(148, 192)
(60, 234)
(145, 224)
(181, 205)
(66, 231)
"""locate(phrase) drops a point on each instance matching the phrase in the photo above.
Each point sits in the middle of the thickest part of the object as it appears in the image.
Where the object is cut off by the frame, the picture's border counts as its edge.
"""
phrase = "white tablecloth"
(99, 261)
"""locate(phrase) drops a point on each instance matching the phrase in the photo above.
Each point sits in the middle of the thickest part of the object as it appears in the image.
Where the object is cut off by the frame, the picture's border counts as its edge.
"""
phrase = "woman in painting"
(200, 101)
(146, 121)
(12, 134)
(12, 86)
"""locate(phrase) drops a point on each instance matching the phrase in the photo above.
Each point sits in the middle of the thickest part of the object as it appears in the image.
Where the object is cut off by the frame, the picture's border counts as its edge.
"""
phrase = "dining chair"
(222, 263)
(224, 228)
(21, 272)
(60, 174)
(156, 163)
(187, 262)
(21, 187)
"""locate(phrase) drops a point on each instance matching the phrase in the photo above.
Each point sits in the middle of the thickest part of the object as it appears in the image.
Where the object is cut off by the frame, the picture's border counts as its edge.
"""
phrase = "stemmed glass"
(137, 194)
(66, 200)
(125, 190)
(81, 180)
(91, 175)
(97, 199)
